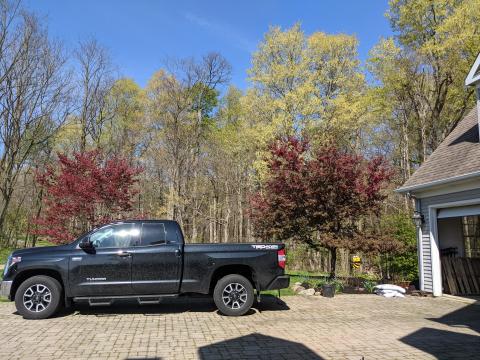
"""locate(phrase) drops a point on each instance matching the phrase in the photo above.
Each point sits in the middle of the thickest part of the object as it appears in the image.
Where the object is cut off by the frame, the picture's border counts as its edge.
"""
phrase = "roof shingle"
(458, 154)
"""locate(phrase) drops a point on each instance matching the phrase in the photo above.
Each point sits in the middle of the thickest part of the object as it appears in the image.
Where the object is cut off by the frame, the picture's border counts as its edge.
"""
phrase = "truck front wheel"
(38, 297)
(233, 295)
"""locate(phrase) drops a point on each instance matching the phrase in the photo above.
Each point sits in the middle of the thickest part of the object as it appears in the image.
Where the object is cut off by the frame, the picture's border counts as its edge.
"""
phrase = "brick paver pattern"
(345, 327)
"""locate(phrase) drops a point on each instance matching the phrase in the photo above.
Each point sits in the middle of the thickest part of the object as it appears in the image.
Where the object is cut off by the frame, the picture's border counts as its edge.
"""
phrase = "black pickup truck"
(144, 260)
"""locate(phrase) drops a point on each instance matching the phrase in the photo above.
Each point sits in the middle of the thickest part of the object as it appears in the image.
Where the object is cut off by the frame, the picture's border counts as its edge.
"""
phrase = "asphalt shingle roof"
(458, 154)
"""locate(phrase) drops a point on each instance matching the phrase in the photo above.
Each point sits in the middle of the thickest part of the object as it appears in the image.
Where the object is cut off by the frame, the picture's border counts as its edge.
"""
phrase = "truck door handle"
(178, 252)
(124, 254)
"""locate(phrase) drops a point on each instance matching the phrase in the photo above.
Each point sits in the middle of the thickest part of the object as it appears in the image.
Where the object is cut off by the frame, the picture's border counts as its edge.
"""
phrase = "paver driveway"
(348, 326)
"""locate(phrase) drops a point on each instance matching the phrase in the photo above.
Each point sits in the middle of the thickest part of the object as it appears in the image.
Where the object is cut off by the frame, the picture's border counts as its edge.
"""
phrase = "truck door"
(157, 261)
(107, 269)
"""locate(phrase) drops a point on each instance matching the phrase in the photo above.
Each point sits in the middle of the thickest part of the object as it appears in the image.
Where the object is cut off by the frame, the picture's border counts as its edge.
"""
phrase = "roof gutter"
(449, 180)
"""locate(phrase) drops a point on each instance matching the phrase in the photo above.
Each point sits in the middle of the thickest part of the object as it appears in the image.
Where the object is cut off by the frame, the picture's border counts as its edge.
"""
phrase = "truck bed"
(201, 261)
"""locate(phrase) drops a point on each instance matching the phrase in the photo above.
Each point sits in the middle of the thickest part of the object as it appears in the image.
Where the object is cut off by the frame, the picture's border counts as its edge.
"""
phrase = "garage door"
(458, 211)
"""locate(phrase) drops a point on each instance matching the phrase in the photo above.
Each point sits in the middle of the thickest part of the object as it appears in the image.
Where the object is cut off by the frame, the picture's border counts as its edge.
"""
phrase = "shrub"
(84, 191)
(403, 265)
(368, 285)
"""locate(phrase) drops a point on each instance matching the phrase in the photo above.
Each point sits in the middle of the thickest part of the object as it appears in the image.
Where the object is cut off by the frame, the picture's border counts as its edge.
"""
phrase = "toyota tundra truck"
(143, 260)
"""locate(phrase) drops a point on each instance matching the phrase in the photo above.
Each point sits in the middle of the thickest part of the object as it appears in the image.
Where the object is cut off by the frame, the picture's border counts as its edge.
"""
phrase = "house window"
(471, 235)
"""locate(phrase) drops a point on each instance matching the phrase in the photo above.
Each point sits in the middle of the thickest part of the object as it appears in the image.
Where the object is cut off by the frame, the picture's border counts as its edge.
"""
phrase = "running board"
(100, 302)
(108, 300)
(147, 301)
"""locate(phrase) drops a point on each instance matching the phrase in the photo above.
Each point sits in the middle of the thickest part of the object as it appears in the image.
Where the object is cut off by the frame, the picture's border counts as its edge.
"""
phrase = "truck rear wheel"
(233, 295)
(38, 297)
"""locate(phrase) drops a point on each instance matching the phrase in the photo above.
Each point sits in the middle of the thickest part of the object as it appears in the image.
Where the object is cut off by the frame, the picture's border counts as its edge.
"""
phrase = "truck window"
(153, 234)
(116, 236)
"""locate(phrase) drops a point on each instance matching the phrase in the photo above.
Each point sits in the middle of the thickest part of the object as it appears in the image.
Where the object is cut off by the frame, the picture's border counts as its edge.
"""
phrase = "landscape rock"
(298, 288)
(307, 292)
(317, 293)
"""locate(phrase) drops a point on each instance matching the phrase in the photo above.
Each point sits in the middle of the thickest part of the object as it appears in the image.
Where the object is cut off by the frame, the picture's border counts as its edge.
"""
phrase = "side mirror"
(87, 246)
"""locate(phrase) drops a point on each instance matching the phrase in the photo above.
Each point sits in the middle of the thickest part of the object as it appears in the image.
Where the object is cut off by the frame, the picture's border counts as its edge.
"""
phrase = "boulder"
(298, 288)
(307, 292)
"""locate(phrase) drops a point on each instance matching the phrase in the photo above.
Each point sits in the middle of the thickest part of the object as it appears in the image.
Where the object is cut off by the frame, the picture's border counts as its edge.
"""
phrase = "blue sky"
(141, 34)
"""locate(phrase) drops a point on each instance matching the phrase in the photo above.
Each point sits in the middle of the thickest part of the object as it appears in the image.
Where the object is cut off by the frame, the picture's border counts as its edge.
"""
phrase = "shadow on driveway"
(466, 317)
(444, 344)
(257, 346)
(169, 306)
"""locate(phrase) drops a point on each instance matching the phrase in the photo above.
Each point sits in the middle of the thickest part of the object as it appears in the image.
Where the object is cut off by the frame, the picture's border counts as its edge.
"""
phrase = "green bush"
(404, 265)
(368, 285)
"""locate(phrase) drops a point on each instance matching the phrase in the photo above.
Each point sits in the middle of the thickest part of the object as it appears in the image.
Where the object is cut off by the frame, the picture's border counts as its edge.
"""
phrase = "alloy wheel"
(37, 298)
(234, 295)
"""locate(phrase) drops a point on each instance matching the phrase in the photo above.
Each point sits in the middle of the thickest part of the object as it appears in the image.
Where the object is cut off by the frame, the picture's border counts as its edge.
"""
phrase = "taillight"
(282, 258)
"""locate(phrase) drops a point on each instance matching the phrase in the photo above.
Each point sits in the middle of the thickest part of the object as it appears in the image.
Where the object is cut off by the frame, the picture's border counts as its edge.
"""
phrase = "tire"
(233, 295)
(38, 297)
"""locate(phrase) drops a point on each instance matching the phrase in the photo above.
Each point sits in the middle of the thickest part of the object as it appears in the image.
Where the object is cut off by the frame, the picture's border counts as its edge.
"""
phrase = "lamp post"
(417, 219)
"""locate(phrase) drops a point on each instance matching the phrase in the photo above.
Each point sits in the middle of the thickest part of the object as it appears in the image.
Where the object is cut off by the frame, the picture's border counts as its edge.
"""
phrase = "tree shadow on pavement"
(257, 346)
(444, 344)
(466, 317)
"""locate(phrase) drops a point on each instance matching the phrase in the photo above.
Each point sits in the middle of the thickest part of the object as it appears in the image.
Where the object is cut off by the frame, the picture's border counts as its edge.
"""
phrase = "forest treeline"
(200, 142)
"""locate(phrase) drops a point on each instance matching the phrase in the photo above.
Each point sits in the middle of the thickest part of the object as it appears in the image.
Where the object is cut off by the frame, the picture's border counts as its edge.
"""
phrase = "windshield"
(83, 236)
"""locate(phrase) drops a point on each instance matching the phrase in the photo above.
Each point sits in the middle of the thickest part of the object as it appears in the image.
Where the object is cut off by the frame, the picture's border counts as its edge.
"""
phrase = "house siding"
(425, 203)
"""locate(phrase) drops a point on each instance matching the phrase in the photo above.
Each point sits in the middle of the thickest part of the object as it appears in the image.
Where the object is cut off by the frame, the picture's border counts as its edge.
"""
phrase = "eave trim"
(437, 182)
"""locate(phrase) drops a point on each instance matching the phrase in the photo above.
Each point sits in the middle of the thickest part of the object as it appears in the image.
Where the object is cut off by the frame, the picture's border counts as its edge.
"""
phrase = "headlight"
(7, 265)
(12, 260)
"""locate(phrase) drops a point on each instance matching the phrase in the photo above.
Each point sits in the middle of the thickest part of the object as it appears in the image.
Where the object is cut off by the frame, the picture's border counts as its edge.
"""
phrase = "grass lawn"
(283, 292)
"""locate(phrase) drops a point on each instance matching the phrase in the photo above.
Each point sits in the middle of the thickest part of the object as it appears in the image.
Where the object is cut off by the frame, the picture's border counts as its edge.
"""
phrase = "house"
(446, 190)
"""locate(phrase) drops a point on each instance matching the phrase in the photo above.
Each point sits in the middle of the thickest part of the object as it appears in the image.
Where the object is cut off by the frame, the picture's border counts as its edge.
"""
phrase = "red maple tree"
(318, 195)
(84, 191)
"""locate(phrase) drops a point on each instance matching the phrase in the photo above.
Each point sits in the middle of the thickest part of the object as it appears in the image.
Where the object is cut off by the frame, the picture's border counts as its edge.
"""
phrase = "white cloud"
(222, 30)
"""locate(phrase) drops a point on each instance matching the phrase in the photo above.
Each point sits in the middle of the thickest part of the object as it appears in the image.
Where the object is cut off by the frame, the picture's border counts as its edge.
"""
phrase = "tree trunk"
(194, 212)
(211, 224)
(170, 201)
(215, 239)
(406, 155)
(333, 262)
(226, 225)
(240, 218)
(227, 215)
(3, 213)
(423, 137)
(83, 137)
(249, 230)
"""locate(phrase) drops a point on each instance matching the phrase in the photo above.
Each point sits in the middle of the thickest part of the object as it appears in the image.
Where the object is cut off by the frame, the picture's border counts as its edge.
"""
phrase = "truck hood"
(40, 250)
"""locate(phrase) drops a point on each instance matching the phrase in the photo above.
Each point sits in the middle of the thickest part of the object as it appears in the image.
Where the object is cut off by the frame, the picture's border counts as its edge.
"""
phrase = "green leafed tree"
(419, 93)
(125, 131)
(308, 83)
